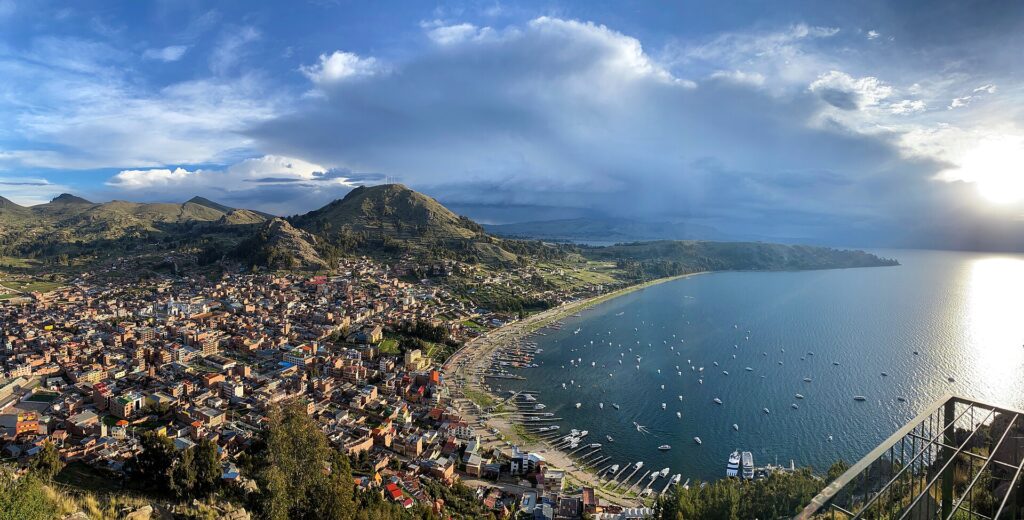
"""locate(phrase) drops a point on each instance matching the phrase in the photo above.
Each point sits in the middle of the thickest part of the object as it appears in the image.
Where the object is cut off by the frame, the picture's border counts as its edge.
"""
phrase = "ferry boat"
(748, 465)
(732, 469)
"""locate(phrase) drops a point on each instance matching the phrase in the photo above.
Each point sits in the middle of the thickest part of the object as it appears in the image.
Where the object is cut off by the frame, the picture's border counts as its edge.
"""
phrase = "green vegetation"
(25, 498)
(482, 399)
(649, 260)
(389, 347)
(781, 495)
(46, 464)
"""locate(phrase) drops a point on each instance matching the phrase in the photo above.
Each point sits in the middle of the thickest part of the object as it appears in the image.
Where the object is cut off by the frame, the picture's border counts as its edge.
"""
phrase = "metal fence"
(959, 459)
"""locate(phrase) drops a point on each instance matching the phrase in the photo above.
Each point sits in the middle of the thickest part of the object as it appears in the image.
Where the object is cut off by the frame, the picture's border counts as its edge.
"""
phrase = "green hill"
(393, 220)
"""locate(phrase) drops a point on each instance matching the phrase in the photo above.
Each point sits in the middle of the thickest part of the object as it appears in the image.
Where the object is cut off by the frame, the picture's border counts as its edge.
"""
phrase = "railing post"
(948, 439)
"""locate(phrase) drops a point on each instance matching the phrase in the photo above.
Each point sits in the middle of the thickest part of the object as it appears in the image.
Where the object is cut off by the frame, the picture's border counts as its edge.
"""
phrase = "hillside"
(666, 258)
(393, 220)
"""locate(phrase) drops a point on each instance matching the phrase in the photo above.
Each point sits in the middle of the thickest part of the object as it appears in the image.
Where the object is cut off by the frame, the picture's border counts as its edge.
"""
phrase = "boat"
(697, 440)
(726, 372)
(901, 399)
(600, 405)
(615, 406)
(799, 396)
(835, 363)
(579, 405)
(795, 406)
(663, 406)
(859, 398)
(539, 406)
(884, 374)
(748, 369)
(950, 379)
(679, 415)
(664, 447)
(747, 459)
(766, 410)
(680, 398)
(732, 468)
(807, 380)
(716, 401)
(614, 469)
(609, 437)
(736, 427)
(577, 331)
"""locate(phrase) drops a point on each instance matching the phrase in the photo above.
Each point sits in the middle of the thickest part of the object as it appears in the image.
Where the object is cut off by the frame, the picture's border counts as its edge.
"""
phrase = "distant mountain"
(666, 258)
(605, 230)
(386, 221)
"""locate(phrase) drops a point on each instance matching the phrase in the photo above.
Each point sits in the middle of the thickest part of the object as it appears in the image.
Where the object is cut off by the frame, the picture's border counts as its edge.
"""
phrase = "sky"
(855, 123)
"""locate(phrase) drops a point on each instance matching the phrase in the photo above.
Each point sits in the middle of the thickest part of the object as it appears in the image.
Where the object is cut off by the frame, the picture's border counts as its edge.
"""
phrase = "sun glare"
(996, 166)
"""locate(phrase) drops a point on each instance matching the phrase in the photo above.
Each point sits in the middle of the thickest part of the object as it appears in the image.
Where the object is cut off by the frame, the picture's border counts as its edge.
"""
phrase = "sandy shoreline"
(474, 357)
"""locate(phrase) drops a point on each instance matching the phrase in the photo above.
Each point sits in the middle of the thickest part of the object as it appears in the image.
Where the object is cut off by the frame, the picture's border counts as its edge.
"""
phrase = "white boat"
(807, 380)
(615, 406)
(614, 469)
(736, 427)
(799, 396)
(697, 440)
(600, 405)
(748, 369)
(766, 410)
(732, 468)
(539, 406)
(664, 447)
(716, 401)
(577, 331)
(726, 372)
(680, 398)
(747, 459)
(579, 405)
(795, 406)
(679, 415)
(609, 437)
(663, 406)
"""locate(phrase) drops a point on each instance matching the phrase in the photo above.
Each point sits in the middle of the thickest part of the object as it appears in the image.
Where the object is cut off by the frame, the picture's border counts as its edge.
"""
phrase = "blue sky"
(889, 123)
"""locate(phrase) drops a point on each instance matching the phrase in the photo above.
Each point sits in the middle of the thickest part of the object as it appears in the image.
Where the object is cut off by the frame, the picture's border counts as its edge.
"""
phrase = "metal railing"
(959, 459)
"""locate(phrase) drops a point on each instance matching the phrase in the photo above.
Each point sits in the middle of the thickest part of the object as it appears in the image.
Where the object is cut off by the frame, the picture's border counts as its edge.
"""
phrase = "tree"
(299, 474)
(183, 474)
(208, 469)
(47, 462)
(154, 463)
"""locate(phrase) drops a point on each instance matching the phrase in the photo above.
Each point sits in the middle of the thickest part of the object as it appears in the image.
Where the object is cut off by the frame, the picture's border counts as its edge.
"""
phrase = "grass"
(389, 347)
(482, 399)
(13, 261)
(473, 325)
(82, 476)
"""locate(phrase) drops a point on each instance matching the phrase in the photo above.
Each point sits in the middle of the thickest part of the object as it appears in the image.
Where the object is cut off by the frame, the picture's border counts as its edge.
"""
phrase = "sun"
(996, 167)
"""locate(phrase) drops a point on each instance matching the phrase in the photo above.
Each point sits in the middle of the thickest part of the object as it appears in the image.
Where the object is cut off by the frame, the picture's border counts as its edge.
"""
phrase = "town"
(94, 364)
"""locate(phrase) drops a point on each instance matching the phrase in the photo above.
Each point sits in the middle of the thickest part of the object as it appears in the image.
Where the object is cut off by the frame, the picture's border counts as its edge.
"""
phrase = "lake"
(961, 312)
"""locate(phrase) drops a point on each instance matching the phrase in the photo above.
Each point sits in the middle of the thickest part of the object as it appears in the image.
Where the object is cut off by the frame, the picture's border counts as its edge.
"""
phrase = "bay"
(961, 312)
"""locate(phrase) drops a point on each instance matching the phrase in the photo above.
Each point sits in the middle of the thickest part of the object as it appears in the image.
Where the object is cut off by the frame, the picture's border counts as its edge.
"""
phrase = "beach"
(461, 369)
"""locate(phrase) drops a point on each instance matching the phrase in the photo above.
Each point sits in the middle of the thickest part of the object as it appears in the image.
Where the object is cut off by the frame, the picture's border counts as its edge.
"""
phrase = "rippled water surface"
(962, 312)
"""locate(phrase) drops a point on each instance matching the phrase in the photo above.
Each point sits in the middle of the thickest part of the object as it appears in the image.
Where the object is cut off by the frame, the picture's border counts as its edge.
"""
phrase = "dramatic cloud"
(559, 113)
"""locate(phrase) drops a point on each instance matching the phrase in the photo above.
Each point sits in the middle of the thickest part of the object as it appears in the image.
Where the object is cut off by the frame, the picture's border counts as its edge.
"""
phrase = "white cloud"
(960, 102)
(230, 49)
(848, 93)
(26, 190)
(449, 34)
(272, 183)
(738, 76)
(341, 66)
(872, 35)
(907, 106)
(166, 54)
(987, 88)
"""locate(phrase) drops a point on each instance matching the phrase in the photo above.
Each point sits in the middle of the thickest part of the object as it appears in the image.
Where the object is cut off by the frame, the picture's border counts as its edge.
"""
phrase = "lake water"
(962, 312)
